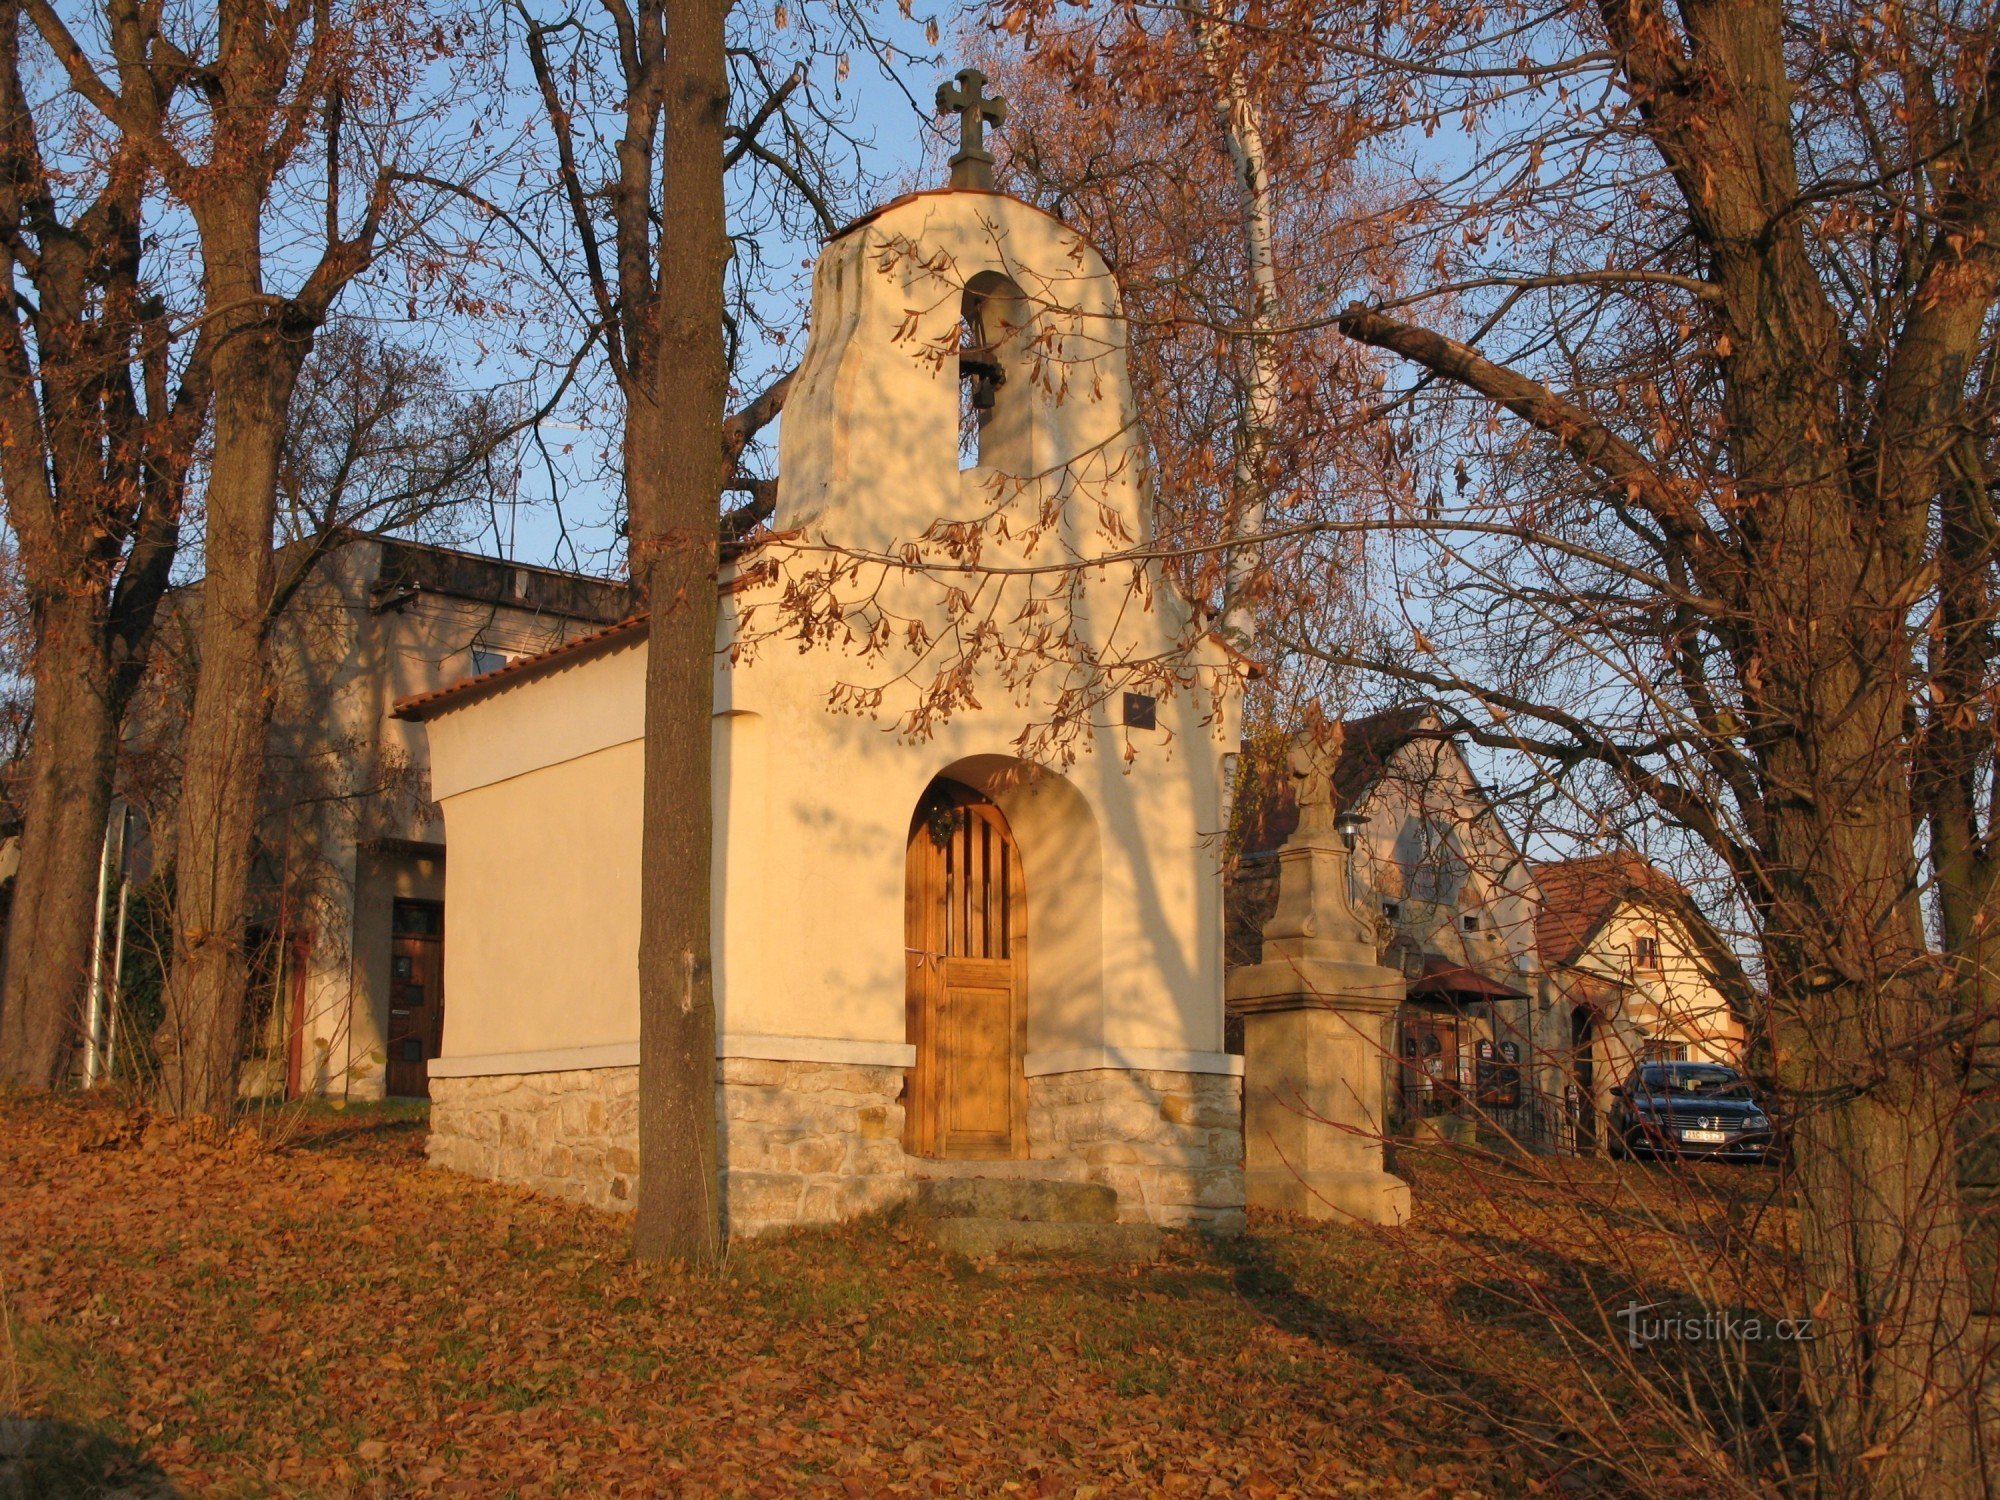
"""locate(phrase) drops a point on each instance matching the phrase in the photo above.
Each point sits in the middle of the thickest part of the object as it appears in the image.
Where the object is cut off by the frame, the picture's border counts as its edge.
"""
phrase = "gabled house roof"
(1580, 895)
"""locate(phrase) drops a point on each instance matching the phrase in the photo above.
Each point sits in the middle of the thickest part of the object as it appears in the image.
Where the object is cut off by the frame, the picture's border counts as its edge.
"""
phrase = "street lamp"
(1349, 825)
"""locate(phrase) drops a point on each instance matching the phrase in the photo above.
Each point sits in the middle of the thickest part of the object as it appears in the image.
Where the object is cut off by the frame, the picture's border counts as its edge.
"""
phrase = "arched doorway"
(965, 943)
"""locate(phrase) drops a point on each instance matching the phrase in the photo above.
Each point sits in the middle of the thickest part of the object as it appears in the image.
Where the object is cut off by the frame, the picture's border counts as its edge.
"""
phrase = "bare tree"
(379, 439)
(101, 407)
(267, 85)
(639, 117)
(1176, 154)
(1242, 121)
(660, 304)
(380, 436)
(1687, 503)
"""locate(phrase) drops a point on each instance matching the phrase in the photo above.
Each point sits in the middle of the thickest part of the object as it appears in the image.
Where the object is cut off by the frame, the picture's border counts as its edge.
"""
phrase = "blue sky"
(567, 520)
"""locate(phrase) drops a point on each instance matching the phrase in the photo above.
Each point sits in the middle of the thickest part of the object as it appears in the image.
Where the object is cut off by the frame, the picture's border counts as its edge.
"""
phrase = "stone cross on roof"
(972, 163)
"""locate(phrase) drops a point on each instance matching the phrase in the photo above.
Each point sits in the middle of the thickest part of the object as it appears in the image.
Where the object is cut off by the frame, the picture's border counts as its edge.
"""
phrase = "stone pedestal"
(1313, 1115)
(1317, 1040)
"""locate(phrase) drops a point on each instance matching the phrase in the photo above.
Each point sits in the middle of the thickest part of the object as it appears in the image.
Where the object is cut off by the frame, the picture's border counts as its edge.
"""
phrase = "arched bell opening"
(994, 381)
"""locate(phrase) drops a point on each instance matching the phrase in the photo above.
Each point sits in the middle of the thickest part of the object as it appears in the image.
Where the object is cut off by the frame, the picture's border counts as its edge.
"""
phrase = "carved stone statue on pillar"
(1316, 1023)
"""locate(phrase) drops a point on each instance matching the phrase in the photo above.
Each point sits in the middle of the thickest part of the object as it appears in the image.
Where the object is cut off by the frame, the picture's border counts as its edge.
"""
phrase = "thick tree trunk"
(673, 444)
(1864, 1052)
(1893, 1367)
(69, 791)
(256, 367)
(93, 454)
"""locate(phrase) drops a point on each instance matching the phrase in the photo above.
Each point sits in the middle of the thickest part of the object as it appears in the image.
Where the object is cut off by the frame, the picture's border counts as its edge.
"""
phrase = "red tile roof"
(614, 637)
(627, 631)
(1579, 896)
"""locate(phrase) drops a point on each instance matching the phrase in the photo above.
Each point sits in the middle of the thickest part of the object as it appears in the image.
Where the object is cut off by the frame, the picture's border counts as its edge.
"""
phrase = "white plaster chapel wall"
(813, 807)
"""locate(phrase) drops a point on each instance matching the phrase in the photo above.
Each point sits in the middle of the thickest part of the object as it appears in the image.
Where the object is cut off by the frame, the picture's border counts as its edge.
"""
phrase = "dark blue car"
(1690, 1109)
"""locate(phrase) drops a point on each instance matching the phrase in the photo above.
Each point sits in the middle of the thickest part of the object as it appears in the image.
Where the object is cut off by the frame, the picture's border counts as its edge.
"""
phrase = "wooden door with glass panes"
(416, 996)
(966, 946)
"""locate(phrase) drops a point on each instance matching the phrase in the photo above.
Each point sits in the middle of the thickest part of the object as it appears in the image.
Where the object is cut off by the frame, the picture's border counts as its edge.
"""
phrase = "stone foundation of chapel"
(1170, 1144)
(818, 1142)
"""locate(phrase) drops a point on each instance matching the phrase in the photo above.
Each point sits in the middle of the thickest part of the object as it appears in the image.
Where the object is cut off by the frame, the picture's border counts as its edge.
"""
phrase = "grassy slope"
(332, 1318)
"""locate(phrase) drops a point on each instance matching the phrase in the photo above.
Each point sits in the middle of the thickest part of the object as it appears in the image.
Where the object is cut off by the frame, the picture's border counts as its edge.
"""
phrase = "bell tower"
(965, 360)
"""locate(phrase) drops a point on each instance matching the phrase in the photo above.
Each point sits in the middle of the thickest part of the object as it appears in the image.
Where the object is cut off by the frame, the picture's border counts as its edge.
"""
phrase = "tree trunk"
(673, 447)
(1893, 1367)
(1861, 1012)
(256, 367)
(69, 792)
(1243, 132)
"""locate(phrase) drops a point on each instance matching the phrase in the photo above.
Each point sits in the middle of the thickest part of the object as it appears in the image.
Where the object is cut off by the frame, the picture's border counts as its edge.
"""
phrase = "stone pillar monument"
(1316, 1031)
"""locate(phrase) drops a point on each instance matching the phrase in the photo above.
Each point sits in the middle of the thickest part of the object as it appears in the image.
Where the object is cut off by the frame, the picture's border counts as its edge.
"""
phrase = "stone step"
(978, 1239)
(1027, 1200)
(933, 1169)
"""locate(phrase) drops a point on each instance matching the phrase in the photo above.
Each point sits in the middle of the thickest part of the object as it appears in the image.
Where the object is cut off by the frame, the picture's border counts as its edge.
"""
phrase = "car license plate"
(1704, 1137)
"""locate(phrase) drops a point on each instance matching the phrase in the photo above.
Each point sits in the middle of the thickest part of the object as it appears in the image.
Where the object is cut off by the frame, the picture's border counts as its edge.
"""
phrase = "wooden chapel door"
(966, 927)
(416, 996)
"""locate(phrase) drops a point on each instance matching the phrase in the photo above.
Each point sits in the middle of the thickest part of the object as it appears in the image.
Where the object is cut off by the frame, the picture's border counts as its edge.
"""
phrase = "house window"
(485, 659)
(1393, 910)
(1657, 1051)
(1646, 951)
(1469, 922)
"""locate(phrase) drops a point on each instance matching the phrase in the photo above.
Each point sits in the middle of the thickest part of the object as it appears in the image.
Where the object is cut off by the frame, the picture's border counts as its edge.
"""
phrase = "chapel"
(934, 955)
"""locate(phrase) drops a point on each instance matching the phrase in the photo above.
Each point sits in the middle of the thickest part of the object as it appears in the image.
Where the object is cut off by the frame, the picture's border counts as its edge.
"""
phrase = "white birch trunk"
(1243, 131)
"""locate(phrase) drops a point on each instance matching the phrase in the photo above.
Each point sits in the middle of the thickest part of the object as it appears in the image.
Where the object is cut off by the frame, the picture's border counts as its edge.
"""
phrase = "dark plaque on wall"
(1142, 711)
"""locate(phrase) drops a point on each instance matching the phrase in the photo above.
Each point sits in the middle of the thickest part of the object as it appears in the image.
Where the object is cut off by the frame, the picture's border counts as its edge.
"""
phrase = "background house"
(1637, 974)
(1457, 905)
(1454, 900)
(1524, 979)
(348, 927)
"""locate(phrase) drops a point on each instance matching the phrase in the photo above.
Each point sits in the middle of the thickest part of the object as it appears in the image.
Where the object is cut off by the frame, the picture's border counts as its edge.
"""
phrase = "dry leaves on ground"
(334, 1318)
